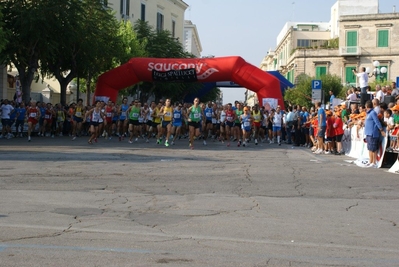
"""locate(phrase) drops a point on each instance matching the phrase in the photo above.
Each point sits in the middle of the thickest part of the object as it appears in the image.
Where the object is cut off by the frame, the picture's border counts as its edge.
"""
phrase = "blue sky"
(249, 28)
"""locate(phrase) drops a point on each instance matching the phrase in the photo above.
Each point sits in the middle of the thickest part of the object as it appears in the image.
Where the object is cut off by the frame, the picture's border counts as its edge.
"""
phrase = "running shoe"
(166, 143)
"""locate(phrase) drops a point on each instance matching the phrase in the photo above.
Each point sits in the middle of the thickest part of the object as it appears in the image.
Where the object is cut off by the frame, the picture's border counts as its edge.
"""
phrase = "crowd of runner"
(164, 123)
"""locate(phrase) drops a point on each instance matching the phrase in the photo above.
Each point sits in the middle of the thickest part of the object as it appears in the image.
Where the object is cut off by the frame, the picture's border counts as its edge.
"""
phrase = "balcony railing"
(350, 50)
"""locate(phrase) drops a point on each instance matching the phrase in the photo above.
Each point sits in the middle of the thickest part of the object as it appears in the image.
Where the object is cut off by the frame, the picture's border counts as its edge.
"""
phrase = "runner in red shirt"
(33, 115)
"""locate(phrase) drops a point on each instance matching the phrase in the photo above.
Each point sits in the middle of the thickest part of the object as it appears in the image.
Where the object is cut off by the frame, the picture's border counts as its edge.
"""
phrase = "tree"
(3, 31)
(60, 38)
(29, 35)
(301, 94)
(88, 46)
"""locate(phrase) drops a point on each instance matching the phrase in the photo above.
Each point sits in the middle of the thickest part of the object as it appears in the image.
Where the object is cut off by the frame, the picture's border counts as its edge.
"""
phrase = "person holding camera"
(363, 79)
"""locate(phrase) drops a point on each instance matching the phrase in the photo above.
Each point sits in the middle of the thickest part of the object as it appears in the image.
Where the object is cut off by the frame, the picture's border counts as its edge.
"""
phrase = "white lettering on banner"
(174, 66)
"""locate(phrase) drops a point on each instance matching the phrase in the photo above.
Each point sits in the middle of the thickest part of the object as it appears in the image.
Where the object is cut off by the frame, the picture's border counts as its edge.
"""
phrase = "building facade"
(161, 14)
(192, 43)
(365, 40)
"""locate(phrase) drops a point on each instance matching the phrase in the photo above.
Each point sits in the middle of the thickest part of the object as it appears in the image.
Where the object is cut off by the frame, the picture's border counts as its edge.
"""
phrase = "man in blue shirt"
(21, 114)
(322, 125)
(372, 131)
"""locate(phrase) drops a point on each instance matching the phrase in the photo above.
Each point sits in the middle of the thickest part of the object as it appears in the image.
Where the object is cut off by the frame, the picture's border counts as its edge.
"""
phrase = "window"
(310, 43)
(351, 40)
(159, 22)
(173, 28)
(350, 77)
(125, 8)
(382, 38)
(303, 43)
(290, 76)
(142, 16)
(320, 70)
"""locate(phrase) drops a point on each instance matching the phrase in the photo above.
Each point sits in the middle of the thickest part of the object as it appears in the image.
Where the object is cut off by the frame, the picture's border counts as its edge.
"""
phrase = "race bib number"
(109, 114)
(229, 118)
(247, 124)
(177, 116)
(208, 114)
(135, 115)
(78, 114)
(196, 115)
(47, 116)
(32, 115)
(96, 117)
(167, 114)
(123, 114)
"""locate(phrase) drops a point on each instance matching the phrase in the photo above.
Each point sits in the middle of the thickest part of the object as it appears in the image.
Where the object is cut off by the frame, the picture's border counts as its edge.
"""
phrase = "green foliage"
(211, 95)
(3, 31)
(60, 38)
(373, 83)
(30, 37)
(302, 93)
(131, 47)
(333, 43)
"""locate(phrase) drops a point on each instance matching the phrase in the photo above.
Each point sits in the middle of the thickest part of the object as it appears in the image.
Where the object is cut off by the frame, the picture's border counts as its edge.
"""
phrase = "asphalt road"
(68, 203)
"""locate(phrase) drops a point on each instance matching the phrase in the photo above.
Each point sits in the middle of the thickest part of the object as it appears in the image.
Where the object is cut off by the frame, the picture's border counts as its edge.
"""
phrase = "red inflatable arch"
(233, 69)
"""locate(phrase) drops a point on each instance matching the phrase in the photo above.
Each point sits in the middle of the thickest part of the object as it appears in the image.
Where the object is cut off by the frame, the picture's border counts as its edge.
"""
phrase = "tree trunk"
(88, 90)
(63, 89)
(26, 78)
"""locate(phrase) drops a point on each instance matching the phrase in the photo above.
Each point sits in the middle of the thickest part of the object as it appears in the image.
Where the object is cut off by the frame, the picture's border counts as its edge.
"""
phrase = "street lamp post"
(378, 71)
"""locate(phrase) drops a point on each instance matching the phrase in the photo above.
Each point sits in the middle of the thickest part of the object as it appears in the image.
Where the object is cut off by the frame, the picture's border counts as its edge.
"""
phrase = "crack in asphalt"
(348, 208)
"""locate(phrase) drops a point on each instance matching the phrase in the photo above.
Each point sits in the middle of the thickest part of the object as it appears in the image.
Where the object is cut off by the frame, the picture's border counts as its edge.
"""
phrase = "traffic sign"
(316, 95)
(316, 84)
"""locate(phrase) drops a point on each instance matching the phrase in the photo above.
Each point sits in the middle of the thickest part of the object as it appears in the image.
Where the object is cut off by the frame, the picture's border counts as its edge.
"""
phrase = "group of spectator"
(382, 92)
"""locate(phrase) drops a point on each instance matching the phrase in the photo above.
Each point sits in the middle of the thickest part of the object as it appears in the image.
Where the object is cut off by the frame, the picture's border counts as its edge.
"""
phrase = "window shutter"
(382, 38)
